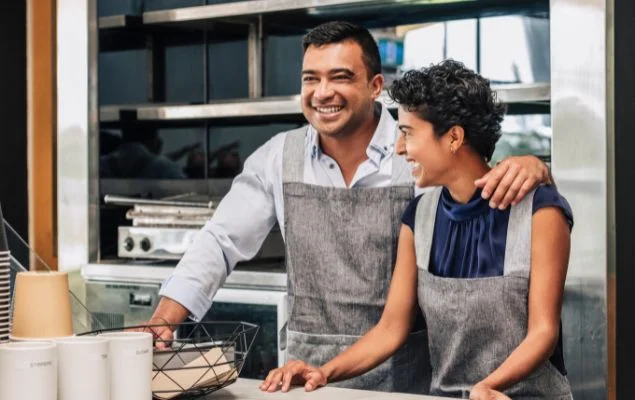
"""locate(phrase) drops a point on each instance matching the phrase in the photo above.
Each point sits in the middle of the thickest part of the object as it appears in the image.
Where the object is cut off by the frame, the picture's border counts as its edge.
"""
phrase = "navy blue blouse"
(469, 239)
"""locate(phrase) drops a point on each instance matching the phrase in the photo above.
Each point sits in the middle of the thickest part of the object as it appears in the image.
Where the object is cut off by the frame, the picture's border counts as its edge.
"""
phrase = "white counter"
(248, 389)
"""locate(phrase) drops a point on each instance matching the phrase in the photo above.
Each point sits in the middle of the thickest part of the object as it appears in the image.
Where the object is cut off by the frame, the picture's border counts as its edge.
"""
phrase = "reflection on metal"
(255, 45)
(153, 272)
(243, 8)
(118, 21)
(290, 105)
(579, 161)
(76, 120)
(307, 13)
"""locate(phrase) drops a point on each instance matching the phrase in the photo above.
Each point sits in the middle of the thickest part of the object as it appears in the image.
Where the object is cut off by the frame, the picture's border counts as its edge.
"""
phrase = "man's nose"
(323, 91)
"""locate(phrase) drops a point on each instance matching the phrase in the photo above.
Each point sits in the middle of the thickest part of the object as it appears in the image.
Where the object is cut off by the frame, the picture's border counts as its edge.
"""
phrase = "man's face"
(337, 96)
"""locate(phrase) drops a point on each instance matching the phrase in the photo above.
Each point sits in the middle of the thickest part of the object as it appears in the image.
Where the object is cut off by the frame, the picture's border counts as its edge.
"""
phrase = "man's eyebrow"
(334, 71)
(342, 71)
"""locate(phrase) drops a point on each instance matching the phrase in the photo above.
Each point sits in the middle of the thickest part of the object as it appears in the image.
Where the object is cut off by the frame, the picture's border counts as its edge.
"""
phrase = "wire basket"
(202, 358)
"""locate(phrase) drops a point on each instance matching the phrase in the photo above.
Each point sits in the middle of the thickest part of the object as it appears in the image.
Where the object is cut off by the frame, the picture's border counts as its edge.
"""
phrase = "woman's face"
(430, 157)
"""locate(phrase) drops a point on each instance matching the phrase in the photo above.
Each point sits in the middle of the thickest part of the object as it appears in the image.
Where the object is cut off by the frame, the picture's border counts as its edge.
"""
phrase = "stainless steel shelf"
(539, 93)
(247, 8)
(119, 21)
(294, 15)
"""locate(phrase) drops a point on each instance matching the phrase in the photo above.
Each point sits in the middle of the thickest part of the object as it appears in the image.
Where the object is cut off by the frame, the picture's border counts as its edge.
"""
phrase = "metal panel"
(76, 119)
(579, 159)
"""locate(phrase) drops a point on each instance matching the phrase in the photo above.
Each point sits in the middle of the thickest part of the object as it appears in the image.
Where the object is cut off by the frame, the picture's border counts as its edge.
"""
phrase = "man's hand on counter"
(294, 373)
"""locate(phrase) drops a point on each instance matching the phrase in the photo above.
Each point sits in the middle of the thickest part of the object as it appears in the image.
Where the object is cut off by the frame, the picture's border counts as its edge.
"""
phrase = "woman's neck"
(469, 168)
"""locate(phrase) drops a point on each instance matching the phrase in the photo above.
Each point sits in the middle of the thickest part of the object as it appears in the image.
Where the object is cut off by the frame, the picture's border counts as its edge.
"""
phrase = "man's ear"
(377, 85)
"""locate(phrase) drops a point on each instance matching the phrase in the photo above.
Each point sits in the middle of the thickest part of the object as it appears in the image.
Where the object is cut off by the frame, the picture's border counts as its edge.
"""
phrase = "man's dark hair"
(339, 31)
(448, 94)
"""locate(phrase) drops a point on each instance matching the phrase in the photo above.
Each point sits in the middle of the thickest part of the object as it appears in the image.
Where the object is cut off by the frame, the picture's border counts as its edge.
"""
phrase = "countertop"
(248, 389)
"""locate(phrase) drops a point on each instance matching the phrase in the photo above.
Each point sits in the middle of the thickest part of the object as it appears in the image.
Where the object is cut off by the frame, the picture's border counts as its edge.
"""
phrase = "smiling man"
(338, 189)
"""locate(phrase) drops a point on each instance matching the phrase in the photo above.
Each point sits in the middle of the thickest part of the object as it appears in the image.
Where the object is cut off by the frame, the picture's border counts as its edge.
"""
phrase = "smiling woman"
(442, 111)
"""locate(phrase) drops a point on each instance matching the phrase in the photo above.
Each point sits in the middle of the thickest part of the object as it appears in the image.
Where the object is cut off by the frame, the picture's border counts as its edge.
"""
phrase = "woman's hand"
(482, 392)
(294, 373)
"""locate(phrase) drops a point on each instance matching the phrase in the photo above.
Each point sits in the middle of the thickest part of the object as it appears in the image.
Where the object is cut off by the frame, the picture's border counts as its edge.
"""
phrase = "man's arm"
(510, 181)
(235, 233)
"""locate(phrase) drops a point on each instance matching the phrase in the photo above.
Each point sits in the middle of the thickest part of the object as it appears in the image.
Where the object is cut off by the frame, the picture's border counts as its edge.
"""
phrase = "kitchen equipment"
(161, 229)
(117, 304)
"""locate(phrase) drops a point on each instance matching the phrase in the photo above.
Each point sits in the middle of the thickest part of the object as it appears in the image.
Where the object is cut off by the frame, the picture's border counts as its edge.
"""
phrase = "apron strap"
(518, 242)
(425, 218)
(293, 155)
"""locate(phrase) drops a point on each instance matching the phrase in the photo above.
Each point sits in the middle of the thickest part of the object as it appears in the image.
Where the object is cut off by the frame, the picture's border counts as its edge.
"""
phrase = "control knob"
(145, 244)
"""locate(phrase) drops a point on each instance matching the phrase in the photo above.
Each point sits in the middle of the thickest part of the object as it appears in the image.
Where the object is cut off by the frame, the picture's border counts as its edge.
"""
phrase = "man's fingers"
(489, 182)
(527, 187)
(503, 185)
(513, 190)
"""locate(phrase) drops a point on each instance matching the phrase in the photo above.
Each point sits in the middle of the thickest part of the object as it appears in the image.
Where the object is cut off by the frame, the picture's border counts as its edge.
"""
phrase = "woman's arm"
(375, 346)
(550, 244)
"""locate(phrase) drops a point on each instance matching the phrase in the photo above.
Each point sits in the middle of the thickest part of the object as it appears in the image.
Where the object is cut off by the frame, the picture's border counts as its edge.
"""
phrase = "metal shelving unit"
(514, 95)
(298, 15)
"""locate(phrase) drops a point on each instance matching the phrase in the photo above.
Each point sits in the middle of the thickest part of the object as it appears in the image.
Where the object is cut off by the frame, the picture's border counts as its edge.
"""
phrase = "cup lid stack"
(5, 278)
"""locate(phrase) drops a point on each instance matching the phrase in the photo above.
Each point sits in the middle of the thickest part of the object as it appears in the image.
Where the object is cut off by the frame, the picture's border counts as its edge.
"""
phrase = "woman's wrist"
(327, 372)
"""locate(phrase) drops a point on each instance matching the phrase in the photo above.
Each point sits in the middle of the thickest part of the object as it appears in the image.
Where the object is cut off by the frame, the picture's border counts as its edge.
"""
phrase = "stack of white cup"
(5, 295)
(113, 366)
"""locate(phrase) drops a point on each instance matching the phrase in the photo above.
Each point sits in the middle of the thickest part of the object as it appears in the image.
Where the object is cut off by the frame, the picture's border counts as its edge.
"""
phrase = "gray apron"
(475, 324)
(340, 250)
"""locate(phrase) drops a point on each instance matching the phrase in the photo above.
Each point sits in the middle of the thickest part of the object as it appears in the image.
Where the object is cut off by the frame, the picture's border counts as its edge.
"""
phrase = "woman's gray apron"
(340, 250)
(474, 324)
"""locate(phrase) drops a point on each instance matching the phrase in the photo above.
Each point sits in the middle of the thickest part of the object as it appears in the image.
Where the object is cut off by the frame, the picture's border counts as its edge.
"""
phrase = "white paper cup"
(83, 369)
(29, 371)
(130, 365)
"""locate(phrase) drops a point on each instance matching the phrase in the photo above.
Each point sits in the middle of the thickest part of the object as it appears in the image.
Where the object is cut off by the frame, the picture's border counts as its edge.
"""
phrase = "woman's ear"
(456, 136)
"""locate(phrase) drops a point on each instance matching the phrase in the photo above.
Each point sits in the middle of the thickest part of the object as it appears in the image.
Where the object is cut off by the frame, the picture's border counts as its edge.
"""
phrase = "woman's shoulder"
(549, 196)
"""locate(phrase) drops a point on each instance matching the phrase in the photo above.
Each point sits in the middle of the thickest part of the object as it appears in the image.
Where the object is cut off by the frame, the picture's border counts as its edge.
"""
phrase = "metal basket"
(203, 358)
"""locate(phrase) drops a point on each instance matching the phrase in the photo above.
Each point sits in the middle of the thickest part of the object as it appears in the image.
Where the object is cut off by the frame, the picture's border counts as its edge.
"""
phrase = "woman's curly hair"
(448, 94)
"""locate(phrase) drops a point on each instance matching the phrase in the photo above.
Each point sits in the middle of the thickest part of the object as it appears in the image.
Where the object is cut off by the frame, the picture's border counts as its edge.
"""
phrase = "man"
(338, 190)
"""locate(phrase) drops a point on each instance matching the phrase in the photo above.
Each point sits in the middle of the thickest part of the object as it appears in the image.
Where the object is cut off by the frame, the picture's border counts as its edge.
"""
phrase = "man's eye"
(341, 78)
(308, 79)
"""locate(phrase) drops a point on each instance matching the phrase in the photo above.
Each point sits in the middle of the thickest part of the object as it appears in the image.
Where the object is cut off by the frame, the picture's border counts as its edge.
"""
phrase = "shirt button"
(331, 166)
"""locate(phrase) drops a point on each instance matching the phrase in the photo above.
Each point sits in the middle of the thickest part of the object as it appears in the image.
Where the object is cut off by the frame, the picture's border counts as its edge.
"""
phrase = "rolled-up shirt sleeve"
(235, 233)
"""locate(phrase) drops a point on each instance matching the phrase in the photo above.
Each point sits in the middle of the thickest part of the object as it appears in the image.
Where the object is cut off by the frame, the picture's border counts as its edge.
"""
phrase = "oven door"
(268, 310)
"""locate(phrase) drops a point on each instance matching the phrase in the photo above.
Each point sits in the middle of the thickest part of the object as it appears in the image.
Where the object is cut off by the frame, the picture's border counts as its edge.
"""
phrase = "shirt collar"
(381, 145)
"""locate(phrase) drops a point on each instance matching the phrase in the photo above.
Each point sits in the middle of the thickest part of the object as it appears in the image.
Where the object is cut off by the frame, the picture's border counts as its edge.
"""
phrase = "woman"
(489, 282)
